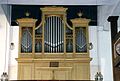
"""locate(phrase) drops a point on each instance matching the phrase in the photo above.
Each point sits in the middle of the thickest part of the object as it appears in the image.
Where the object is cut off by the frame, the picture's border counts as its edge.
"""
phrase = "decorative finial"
(80, 14)
(54, 6)
(27, 14)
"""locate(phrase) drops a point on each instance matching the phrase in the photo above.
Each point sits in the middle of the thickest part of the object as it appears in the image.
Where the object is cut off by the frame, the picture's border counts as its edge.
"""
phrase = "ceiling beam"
(58, 2)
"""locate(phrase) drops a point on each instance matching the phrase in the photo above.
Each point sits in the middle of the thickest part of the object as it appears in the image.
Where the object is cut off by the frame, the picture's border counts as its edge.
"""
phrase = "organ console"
(53, 41)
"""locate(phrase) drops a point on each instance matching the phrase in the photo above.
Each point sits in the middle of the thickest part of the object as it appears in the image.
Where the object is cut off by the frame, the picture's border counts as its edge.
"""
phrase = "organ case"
(53, 41)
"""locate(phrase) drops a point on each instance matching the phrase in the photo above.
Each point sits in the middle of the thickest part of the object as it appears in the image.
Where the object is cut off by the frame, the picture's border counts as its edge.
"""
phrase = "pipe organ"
(54, 42)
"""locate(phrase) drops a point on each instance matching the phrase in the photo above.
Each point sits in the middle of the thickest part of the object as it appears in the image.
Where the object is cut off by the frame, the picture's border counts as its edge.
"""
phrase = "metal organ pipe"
(82, 39)
(45, 35)
(60, 35)
(46, 31)
(48, 34)
(57, 34)
(54, 35)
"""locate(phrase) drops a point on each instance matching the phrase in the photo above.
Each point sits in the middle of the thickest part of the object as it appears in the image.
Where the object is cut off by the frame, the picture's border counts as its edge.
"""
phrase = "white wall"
(105, 55)
(94, 52)
(104, 33)
(108, 10)
(14, 53)
(101, 52)
(6, 37)
(4, 40)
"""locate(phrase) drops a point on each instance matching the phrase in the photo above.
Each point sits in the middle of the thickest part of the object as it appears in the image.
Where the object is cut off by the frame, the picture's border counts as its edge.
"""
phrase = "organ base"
(67, 69)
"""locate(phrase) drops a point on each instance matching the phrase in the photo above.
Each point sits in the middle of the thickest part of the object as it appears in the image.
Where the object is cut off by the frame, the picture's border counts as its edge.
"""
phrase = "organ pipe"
(49, 35)
(58, 35)
(54, 34)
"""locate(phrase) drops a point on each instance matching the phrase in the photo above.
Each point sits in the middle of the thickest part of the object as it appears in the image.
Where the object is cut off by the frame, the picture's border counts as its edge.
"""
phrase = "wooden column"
(113, 23)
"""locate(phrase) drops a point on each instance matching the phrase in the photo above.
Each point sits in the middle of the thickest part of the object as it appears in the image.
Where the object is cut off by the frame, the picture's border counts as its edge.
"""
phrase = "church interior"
(60, 40)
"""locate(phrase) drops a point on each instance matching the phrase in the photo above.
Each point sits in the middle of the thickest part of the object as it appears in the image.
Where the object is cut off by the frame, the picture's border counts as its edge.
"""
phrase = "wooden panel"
(116, 57)
(62, 75)
(26, 71)
(81, 71)
(43, 75)
(117, 74)
(53, 73)
(73, 69)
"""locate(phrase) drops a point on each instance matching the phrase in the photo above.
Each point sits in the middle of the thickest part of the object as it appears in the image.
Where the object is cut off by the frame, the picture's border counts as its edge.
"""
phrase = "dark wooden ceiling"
(90, 12)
